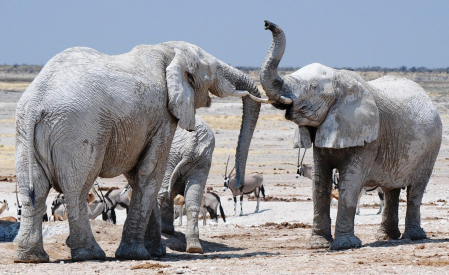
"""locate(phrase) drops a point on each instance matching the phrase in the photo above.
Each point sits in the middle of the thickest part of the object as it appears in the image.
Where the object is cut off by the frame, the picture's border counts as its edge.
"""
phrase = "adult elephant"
(384, 132)
(187, 170)
(88, 114)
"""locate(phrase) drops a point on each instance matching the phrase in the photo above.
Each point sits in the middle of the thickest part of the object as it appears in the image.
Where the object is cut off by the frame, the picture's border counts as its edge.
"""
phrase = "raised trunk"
(271, 82)
(251, 111)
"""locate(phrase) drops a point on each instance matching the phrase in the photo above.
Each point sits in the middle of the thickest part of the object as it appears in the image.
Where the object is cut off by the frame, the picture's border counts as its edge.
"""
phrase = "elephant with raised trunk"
(187, 170)
(89, 115)
(384, 132)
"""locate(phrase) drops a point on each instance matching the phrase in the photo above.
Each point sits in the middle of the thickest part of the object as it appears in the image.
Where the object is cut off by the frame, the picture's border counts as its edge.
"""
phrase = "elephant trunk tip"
(270, 26)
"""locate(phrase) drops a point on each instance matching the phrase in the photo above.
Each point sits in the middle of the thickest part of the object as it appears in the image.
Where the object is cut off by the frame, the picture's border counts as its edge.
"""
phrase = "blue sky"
(334, 33)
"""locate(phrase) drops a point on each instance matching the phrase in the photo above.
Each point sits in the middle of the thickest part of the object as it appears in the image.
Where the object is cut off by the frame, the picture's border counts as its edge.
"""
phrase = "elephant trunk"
(251, 110)
(272, 83)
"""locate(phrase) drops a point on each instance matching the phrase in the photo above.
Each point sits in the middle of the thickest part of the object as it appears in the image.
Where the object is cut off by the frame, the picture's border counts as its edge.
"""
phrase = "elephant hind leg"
(29, 238)
(413, 228)
(389, 227)
(82, 242)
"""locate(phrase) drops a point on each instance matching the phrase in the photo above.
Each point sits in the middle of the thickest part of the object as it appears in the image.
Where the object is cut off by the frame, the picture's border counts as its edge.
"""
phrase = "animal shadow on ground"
(177, 242)
(254, 213)
(392, 243)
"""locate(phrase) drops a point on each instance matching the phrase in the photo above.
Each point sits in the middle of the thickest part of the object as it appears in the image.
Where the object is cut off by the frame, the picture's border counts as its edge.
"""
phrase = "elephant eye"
(191, 79)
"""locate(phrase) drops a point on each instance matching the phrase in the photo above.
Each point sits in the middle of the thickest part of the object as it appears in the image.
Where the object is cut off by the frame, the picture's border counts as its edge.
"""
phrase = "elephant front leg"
(389, 227)
(29, 238)
(347, 204)
(322, 187)
(413, 228)
(153, 240)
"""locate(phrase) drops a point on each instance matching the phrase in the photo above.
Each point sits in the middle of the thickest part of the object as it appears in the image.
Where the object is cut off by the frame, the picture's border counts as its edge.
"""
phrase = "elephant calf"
(187, 170)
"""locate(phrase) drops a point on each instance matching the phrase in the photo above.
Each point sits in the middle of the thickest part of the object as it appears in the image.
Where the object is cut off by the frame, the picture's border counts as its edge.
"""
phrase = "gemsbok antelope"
(252, 183)
(3, 206)
(210, 203)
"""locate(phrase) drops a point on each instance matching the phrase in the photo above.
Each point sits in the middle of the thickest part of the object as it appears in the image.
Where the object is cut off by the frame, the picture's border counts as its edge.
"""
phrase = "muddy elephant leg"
(389, 227)
(153, 240)
(413, 228)
(166, 211)
(195, 185)
(322, 187)
(145, 179)
(83, 245)
(350, 187)
(29, 238)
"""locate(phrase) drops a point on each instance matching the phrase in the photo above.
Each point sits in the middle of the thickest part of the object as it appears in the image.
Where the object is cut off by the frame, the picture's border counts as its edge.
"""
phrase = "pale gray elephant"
(187, 170)
(384, 132)
(88, 114)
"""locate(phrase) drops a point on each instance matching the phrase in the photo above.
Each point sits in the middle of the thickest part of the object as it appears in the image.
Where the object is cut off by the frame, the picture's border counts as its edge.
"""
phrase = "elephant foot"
(168, 229)
(388, 234)
(31, 256)
(414, 233)
(346, 242)
(318, 241)
(92, 252)
(156, 250)
(194, 247)
(132, 251)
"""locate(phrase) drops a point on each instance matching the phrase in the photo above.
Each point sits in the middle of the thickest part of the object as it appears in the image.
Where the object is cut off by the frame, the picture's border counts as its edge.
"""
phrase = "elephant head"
(333, 108)
(192, 72)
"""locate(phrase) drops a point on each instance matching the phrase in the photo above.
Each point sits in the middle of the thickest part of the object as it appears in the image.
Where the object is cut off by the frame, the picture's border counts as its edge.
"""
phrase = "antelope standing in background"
(252, 183)
(4, 206)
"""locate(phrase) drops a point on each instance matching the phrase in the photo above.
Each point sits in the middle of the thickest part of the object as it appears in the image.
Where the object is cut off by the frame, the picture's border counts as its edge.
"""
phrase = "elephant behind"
(187, 170)
(384, 132)
(88, 114)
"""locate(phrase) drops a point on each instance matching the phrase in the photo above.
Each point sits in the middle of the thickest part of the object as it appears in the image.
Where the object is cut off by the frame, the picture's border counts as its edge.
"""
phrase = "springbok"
(306, 171)
(252, 183)
(179, 203)
(3, 206)
(210, 203)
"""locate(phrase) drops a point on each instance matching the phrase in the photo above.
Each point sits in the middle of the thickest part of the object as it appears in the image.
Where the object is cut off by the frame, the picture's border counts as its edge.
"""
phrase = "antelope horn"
(226, 170)
(231, 171)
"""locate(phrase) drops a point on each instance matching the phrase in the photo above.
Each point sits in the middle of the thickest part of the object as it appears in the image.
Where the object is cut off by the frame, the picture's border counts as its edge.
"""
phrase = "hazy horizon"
(335, 33)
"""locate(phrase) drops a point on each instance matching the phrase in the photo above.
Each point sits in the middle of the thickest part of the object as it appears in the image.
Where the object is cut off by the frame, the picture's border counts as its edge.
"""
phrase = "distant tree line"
(35, 69)
(403, 69)
(17, 69)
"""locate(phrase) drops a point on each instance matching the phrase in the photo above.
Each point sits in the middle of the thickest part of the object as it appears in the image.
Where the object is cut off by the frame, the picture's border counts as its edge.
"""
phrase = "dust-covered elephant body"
(385, 132)
(88, 114)
(187, 171)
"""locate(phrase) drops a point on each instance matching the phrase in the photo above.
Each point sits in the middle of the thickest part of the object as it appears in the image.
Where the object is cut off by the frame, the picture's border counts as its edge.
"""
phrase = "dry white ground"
(272, 241)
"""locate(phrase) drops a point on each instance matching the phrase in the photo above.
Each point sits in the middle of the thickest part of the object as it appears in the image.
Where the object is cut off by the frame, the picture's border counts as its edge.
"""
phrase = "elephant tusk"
(285, 100)
(240, 93)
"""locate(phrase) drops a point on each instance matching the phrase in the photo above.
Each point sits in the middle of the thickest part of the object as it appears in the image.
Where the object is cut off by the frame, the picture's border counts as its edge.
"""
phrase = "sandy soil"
(272, 241)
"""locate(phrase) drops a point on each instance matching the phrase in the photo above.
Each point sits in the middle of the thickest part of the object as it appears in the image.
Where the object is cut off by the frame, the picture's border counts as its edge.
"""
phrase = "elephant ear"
(181, 94)
(302, 138)
(354, 117)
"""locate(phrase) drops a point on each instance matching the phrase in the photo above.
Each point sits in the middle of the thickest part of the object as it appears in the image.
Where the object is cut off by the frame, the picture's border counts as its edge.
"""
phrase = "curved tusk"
(240, 93)
(260, 100)
(285, 100)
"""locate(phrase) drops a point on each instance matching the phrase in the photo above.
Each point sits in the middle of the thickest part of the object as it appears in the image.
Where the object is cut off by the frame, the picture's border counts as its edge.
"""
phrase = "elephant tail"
(31, 120)
(174, 175)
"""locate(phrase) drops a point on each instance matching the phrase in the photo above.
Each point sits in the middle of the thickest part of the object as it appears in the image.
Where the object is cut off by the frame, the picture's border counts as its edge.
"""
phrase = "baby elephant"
(210, 203)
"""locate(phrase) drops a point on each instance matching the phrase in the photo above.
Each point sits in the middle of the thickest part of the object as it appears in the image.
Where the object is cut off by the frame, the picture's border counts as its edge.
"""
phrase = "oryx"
(210, 203)
(252, 183)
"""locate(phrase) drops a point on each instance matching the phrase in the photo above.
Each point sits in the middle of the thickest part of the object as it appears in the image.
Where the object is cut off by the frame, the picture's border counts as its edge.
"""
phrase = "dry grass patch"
(149, 266)
(233, 122)
(14, 86)
(11, 120)
(7, 157)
